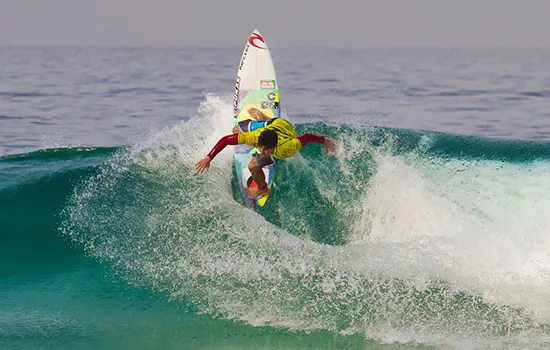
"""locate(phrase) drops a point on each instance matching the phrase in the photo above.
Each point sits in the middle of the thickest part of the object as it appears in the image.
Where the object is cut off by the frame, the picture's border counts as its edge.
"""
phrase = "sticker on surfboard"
(267, 84)
(255, 40)
(269, 105)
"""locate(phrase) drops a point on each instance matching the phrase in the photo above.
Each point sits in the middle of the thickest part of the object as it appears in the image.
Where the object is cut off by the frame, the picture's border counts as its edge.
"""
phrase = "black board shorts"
(251, 125)
(264, 161)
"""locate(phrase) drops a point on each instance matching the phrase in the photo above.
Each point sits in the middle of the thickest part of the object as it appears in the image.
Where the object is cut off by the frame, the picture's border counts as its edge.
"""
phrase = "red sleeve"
(308, 138)
(232, 139)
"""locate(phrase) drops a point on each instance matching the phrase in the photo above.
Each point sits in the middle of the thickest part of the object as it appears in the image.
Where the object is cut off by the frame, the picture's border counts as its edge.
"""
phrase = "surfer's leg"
(257, 114)
(257, 173)
(250, 125)
(255, 166)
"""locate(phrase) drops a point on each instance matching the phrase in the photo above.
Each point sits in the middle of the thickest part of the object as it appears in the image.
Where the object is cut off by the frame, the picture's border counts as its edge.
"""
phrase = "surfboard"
(256, 87)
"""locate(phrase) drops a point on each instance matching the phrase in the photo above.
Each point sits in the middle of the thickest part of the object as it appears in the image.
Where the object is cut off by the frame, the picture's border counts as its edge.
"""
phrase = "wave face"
(404, 236)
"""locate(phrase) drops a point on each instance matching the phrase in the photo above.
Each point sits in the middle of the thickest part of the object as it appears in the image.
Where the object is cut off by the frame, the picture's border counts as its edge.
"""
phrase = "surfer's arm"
(204, 163)
(310, 138)
(328, 144)
(228, 140)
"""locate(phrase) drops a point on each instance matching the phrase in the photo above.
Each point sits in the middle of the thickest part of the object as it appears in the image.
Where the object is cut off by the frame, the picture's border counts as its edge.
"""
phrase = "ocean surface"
(430, 229)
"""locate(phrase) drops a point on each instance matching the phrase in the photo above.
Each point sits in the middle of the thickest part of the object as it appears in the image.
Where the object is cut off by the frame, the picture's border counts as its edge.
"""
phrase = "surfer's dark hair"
(268, 139)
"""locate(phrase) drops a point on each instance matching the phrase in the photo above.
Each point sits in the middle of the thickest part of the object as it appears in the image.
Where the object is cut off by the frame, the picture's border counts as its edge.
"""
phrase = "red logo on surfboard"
(256, 36)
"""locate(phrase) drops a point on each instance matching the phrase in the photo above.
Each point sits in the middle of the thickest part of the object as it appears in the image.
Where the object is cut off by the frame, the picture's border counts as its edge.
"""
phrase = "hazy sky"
(284, 23)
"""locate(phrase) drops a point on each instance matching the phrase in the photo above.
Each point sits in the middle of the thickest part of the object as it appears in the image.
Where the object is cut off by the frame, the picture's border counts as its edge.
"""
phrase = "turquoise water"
(428, 231)
(128, 248)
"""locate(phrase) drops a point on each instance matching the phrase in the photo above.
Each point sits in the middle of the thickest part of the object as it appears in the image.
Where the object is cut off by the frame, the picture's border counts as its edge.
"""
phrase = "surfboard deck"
(256, 87)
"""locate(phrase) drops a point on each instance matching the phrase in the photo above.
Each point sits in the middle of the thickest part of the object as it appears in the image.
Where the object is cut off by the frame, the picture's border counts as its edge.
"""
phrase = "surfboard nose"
(257, 40)
(256, 33)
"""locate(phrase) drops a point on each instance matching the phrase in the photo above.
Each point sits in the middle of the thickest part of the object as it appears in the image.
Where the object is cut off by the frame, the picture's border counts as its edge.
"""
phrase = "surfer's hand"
(330, 146)
(203, 165)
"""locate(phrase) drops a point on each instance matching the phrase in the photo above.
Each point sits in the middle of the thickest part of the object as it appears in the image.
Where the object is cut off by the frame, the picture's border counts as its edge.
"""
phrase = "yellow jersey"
(287, 142)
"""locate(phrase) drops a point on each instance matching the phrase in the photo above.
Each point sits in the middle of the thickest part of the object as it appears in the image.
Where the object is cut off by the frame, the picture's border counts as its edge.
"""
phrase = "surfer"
(275, 138)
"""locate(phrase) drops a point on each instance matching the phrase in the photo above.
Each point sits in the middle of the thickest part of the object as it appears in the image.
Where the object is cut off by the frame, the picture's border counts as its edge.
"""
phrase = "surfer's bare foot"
(257, 114)
(255, 192)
